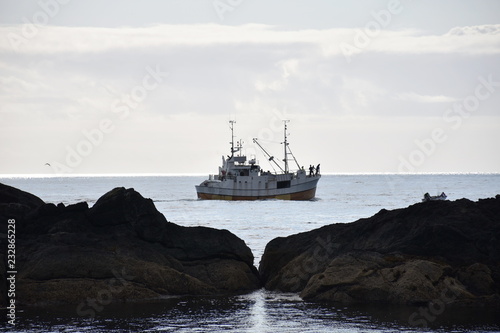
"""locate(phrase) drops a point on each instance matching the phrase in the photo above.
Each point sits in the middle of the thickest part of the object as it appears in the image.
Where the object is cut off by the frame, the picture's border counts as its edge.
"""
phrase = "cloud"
(414, 97)
(475, 40)
(79, 72)
(492, 29)
(58, 39)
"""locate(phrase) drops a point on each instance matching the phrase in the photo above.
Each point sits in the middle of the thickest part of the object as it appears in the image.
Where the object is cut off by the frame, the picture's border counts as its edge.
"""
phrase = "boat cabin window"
(283, 184)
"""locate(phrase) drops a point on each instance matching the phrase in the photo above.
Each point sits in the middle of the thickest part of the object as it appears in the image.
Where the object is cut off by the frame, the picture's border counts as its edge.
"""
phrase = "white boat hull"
(285, 187)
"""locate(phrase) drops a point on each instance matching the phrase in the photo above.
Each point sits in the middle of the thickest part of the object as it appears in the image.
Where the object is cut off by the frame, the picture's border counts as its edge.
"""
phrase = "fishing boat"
(242, 179)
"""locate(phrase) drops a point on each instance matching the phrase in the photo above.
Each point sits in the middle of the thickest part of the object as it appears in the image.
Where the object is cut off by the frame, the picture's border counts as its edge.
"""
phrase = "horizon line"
(195, 174)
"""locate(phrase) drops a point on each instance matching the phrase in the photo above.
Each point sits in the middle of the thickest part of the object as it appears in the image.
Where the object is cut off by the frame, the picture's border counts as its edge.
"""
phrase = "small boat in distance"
(239, 179)
(428, 197)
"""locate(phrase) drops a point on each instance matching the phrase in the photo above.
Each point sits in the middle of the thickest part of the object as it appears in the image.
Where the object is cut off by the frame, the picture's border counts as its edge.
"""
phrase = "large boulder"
(15, 203)
(428, 251)
(120, 249)
(12, 195)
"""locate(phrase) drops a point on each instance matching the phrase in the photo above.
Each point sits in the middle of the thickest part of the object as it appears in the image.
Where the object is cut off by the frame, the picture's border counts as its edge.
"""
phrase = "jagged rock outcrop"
(439, 250)
(121, 249)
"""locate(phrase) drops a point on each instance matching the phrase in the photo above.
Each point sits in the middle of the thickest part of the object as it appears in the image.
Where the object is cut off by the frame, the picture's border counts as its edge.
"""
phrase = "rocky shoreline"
(123, 249)
(447, 251)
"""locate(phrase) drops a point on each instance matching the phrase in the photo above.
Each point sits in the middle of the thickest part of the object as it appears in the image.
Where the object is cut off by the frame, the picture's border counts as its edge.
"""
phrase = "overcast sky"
(149, 87)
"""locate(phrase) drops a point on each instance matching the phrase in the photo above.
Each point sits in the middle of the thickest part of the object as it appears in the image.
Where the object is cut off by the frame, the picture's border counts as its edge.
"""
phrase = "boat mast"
(239, 146)
(231, 126)
(285, 143)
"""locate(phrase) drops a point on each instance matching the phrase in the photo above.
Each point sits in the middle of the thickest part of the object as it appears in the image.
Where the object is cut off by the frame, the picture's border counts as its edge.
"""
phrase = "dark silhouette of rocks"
(439, 250)
(121, 249)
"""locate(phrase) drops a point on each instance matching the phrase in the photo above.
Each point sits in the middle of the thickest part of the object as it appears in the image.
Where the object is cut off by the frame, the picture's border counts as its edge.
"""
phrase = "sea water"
(339, 199)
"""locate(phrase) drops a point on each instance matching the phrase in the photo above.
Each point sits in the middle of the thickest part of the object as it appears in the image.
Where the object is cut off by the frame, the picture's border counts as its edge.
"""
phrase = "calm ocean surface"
(340, 198)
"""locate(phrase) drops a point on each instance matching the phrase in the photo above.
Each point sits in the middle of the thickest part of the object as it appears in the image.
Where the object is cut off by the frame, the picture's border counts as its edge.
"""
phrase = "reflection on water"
(261, 311)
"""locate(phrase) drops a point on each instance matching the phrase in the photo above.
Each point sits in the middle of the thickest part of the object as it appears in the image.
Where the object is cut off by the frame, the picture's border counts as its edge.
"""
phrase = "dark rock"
(14, 205)
(477, 278)
(120, 249)
(9, 194)
(412, 255)
(16, 202)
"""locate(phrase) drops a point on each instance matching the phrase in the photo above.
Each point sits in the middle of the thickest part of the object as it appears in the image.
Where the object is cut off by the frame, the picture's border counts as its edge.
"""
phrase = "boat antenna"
(285, 143)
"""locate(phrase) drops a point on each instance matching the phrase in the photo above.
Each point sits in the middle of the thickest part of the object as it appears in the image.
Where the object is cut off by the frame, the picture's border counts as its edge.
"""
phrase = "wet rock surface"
(441, 250)
(121, 249)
